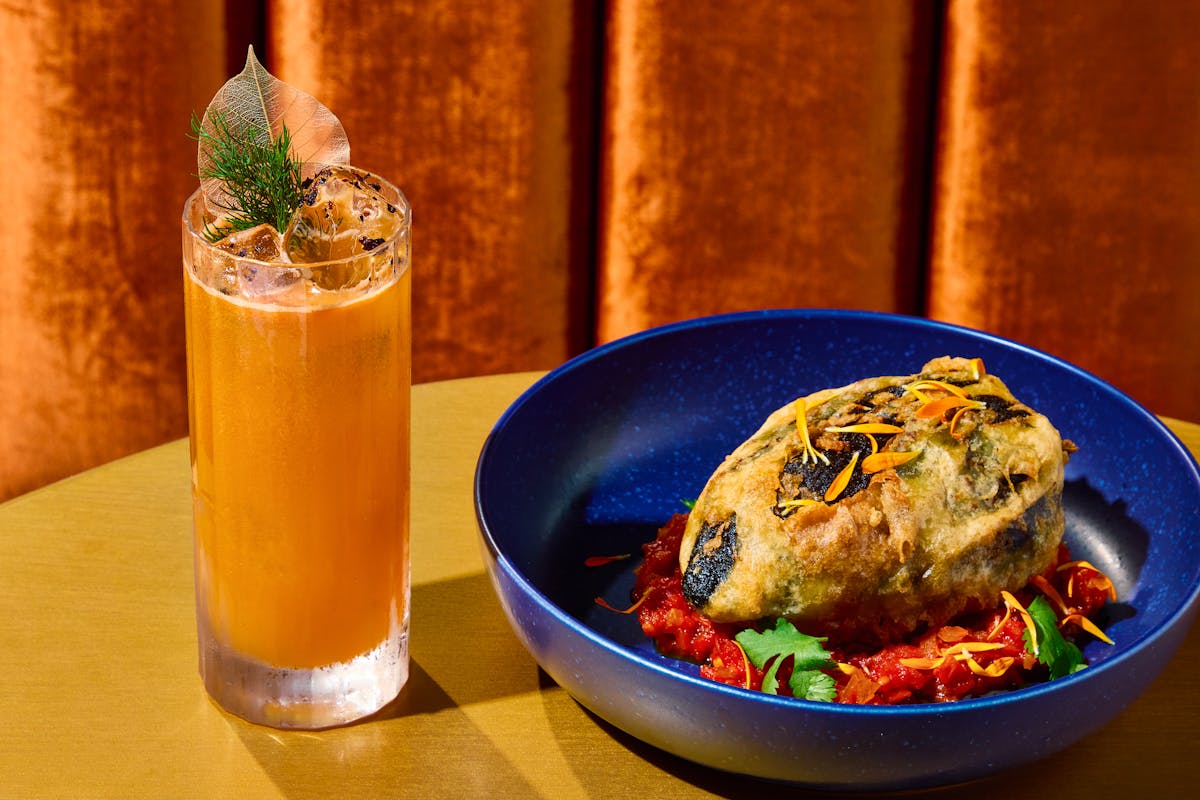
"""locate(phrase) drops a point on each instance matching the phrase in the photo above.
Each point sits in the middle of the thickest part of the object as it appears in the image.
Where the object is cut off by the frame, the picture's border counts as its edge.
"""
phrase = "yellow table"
(99, 694)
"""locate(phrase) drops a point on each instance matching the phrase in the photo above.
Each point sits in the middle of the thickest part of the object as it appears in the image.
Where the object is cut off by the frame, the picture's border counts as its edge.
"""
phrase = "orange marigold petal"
(1007, 615)
(958, 415)
(1051, 593)
(878, 462)
(600, 601)
(1102, 579)
(921, 663)
(805, 439)
(745, 663)
(935, 408)
(913, 390)
(1087, 625)
(1013, 603)
(842, 480)
(932, 384)
(866, 427)
(971, 647)
(994, 669)
(952, 633)
(860, 688)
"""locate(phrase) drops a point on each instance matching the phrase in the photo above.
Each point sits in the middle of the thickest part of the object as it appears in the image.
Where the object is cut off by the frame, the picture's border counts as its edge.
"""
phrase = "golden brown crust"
(977, 510)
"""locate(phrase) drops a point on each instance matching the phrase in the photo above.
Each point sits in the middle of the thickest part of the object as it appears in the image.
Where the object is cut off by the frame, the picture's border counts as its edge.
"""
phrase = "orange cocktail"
(298, 397)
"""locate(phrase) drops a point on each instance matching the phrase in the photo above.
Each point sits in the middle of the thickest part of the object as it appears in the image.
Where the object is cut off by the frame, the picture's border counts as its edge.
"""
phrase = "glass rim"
(200, 239)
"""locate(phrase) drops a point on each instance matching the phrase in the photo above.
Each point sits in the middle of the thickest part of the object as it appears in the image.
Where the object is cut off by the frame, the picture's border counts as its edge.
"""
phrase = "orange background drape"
(580, 171)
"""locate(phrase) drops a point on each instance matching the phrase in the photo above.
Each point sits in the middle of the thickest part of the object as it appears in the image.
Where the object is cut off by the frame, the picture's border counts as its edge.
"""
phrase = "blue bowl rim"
(1000, 699)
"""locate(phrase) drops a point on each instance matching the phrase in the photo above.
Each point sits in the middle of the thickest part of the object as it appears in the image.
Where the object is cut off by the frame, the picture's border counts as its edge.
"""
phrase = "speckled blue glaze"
(599, 453)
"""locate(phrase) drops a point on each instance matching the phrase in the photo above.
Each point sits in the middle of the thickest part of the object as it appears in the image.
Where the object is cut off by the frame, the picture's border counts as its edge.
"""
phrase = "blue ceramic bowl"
(593, 458)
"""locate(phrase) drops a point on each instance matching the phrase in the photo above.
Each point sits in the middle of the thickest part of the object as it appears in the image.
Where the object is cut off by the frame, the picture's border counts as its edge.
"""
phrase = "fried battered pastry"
(871, 510)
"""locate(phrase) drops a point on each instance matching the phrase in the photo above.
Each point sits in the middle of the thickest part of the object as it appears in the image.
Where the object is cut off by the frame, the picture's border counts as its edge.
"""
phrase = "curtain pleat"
(761, 155)
(1067, 204)
(468, 107)
(97, 165)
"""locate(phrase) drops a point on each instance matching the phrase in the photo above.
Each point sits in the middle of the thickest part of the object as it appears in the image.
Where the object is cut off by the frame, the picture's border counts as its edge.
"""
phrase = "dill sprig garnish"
(262, 181)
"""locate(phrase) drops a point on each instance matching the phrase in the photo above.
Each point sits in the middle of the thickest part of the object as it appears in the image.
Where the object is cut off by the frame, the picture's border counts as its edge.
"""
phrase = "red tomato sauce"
(972, 655)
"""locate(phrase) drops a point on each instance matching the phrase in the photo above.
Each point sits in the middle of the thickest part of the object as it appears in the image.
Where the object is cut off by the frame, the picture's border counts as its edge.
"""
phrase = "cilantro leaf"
(1061, 656)
(808, 655)
(813, 685)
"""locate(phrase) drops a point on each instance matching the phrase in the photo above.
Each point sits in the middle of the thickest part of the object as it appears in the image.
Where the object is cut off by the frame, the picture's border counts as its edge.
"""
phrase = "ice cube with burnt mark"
(342, 213)
(222, 266)
(260, 243)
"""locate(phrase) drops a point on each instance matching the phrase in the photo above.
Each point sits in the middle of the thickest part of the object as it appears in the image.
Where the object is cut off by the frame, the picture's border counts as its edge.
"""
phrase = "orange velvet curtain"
(761, 155)
(580, 171)
(95, 104)
(1067, 187)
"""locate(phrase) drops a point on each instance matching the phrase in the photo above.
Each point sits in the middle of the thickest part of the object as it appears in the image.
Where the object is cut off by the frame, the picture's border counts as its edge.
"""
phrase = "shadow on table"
(424, 741)
(388, 757)
(1088, 763)
(740, 787)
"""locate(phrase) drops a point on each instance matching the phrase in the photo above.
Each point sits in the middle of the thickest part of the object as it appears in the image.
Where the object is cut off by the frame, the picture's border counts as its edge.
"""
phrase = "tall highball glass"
(298, 403)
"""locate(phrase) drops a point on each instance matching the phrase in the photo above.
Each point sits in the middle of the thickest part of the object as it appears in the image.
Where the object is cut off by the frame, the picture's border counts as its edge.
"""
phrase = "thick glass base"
(304, 699)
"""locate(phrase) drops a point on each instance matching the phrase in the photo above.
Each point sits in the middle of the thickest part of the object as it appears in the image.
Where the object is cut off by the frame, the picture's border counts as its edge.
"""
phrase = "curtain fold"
(1067, 203)
(478, 112)
(772, 154)
(97, 165)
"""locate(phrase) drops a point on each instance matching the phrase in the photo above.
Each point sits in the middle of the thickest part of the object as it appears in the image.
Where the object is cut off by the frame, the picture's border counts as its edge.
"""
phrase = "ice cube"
(343, 213)
(261, 243)
(272, 281)
(276, 283)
